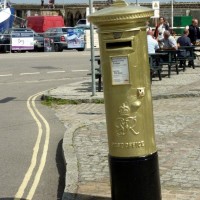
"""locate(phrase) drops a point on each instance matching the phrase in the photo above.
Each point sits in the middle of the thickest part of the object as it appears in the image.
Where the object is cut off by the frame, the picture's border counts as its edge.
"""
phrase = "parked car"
(83, 23)
(86, 27)
(6, 40)
(59, 36)
(66, 38)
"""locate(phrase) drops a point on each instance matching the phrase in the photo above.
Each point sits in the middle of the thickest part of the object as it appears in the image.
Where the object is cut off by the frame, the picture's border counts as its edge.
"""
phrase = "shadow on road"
(83, 197)
(84, 87)
(61, 170)
(87, 87)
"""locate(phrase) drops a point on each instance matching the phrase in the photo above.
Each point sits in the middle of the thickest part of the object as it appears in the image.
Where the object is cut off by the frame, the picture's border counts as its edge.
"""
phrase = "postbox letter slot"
(116, 45)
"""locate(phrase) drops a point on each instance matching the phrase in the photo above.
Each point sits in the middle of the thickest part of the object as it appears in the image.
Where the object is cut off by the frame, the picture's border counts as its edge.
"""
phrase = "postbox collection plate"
(120, 70)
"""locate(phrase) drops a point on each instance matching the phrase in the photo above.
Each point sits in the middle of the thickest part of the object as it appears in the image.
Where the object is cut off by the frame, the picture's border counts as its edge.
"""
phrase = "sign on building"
(155, 5)
(22, 40)
(156, 8)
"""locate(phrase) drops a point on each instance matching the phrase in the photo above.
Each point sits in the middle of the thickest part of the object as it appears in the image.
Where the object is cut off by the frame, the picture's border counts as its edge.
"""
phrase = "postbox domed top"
(120, 12)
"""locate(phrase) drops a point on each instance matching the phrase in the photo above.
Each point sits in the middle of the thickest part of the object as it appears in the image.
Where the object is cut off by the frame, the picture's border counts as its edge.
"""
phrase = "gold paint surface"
(120, 12)
(129, 114)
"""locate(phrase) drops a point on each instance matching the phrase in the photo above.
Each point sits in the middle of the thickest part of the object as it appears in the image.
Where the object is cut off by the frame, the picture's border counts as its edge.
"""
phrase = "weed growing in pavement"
(98, 101)
(51, 101)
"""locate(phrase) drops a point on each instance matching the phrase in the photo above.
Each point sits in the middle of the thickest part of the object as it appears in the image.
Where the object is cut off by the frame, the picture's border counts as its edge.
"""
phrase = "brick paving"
(177, 130)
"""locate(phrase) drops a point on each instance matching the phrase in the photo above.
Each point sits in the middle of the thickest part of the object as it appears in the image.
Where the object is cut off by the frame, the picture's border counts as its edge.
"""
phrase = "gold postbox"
(126, 79)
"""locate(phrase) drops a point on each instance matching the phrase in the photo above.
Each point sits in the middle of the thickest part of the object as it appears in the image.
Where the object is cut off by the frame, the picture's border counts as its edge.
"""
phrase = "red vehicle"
(41, 23)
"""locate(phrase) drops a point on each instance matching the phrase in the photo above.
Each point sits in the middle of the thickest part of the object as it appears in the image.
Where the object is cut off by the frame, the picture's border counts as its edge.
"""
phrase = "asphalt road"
(30, 133)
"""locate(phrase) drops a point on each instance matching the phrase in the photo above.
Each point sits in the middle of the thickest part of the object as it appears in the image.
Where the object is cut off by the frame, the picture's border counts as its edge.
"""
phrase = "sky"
(87, 1)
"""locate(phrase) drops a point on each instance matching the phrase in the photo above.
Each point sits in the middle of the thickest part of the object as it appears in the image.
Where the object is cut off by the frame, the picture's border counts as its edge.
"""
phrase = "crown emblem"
(124, 110)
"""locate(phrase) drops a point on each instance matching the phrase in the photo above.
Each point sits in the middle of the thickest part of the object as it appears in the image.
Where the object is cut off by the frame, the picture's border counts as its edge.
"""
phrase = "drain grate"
(7, 99)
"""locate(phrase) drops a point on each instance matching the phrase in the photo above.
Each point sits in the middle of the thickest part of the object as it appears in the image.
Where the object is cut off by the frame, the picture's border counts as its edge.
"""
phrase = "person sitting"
(152, 45)
(151, 42)
(183, 41)
(194, 31)
(168, 42)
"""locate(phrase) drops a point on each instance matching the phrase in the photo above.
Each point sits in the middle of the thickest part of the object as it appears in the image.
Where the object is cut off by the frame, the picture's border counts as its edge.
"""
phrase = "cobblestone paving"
(177, 127)
(177, 133)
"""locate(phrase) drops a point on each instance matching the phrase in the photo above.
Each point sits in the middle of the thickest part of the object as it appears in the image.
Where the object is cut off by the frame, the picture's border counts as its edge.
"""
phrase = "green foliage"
(98, 101)
(51, 101)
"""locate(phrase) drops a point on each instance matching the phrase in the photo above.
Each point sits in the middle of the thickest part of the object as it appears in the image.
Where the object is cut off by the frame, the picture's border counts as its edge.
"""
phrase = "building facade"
(73, 12)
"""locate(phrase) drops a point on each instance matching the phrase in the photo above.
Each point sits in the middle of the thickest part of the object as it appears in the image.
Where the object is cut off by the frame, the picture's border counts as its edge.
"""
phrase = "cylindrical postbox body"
(128, 101)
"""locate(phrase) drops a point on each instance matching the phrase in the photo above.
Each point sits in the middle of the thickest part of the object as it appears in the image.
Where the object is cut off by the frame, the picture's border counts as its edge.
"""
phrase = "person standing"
(51, 4)
(194, 32)
(160, 29)
(42, 3)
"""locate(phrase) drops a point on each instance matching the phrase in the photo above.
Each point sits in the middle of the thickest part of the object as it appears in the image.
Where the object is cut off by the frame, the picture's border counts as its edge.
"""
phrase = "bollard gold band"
(126, 78)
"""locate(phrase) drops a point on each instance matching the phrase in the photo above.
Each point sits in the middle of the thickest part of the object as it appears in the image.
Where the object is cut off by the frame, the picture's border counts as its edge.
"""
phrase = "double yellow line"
(39, 119)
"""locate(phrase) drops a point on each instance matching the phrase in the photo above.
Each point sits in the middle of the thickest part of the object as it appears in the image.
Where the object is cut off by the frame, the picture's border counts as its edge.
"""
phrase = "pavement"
(176, 106)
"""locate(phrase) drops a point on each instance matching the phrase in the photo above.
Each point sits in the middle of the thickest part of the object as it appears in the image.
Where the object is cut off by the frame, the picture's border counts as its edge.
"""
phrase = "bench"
(187, 54)
(197, 52)
(155, 66)
(169, 59)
